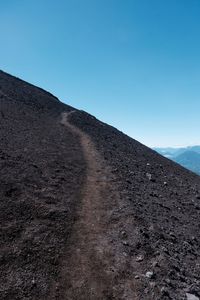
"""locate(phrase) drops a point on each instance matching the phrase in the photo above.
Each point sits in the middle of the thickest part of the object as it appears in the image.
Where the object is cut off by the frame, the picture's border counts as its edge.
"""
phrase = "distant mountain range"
(188, 157)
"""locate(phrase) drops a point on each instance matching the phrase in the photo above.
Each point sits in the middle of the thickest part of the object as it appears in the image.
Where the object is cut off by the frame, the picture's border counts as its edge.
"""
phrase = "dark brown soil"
(87, 212)
(162, 200)
(41, 173)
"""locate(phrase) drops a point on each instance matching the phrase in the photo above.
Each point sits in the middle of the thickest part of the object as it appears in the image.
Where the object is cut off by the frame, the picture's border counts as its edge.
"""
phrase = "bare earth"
(86, 212)
(96, 256)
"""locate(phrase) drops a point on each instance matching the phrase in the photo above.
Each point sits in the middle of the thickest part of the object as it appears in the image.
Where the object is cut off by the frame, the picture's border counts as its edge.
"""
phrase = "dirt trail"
(96, 256)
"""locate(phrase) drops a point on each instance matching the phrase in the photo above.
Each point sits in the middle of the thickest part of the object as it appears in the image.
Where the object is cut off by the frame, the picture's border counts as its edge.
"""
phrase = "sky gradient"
(134, 64)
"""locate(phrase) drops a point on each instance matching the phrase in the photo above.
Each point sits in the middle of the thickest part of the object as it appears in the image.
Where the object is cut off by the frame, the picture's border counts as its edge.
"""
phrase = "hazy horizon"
(176, 147)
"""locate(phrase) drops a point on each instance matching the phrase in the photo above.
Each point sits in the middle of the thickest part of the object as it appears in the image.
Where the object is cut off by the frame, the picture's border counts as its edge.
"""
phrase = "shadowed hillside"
(87, 212)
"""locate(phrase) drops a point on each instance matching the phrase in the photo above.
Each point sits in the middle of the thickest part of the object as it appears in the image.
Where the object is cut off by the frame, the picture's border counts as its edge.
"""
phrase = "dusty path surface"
(96, 261)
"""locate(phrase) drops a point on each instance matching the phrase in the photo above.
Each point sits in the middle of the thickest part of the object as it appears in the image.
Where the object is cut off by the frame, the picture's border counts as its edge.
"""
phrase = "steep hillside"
(41, 172)
(163, 200)
(87, 212)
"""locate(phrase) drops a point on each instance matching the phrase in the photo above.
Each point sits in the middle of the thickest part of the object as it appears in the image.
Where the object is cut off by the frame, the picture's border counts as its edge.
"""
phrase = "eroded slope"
(164, 200)
(41, 174)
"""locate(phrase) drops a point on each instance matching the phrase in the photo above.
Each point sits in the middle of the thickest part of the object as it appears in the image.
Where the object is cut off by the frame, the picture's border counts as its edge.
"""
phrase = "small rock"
(155, 264)
(152, 284)
(131, 173)
(197, 207)
(137, 276)
(172, 236)
(139, 258)
(164, 291)
(149, 274)
(149, 176)
(123, 234)
(165, 182)
(125, 243)
(171, 233)
(168, 281)
(148, 164)
(191, 297)
(154, 194)
(33, 282)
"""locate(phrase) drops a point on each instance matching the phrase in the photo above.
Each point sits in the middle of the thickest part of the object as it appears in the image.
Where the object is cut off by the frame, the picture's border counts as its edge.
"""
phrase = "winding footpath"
(95, 264)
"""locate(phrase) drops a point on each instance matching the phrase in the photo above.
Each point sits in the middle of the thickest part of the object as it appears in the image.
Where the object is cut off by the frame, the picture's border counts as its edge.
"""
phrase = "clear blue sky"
(134, 64)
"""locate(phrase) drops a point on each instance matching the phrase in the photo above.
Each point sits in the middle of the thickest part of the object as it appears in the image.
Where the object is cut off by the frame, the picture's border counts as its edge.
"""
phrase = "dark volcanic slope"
(43, 170)
(164, 199)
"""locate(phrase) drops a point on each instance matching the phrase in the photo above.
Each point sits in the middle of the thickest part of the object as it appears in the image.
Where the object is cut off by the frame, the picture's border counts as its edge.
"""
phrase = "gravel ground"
(164, 200)
(43, 172)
